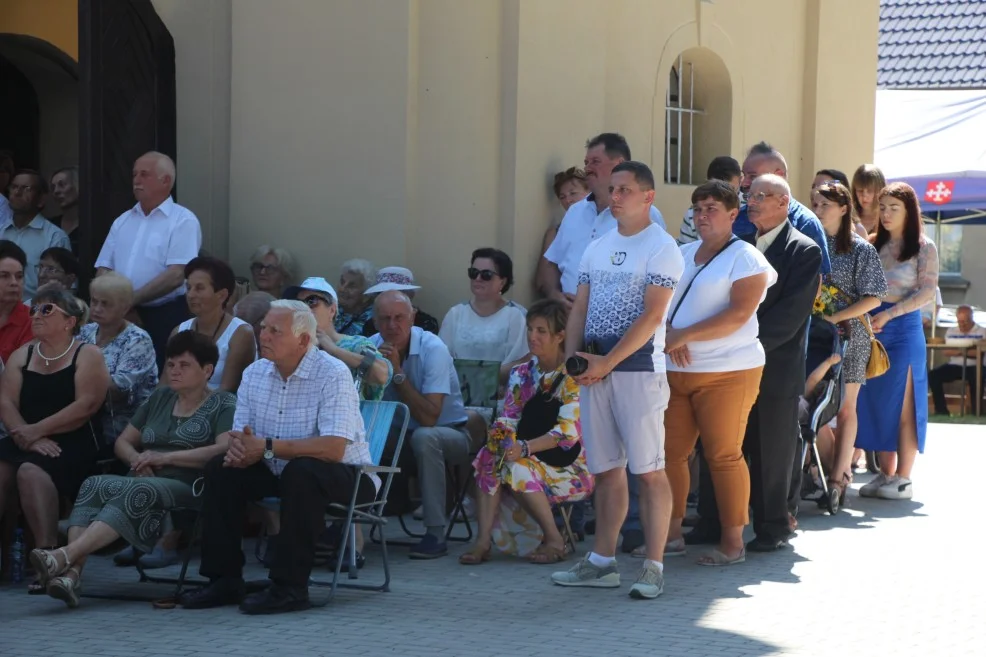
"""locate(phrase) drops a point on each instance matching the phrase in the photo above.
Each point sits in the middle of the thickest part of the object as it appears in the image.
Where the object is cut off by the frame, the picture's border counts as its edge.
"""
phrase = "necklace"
(181, 418)
(222, 318)
(49, 360)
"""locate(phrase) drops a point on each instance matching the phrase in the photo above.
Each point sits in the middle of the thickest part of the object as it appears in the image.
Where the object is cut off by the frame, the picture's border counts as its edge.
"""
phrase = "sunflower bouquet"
(501, 437)
(829, 300)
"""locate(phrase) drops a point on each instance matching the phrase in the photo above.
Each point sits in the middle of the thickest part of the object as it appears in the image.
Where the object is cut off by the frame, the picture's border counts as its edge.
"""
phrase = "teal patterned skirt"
(135, 507)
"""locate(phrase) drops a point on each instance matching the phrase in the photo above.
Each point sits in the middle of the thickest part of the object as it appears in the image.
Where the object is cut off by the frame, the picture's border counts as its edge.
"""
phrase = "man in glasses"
(27, 228)
(150, 244)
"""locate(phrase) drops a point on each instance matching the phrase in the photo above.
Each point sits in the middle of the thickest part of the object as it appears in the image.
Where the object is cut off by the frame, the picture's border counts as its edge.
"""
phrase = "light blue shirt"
(430, 370)
(35, 238)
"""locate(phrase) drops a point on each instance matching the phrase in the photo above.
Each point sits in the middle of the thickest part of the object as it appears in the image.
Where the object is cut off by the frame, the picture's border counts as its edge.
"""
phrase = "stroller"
(824, 339)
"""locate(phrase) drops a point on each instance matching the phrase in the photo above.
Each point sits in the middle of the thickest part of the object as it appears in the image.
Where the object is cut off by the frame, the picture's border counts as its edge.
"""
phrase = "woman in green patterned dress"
(167, 443)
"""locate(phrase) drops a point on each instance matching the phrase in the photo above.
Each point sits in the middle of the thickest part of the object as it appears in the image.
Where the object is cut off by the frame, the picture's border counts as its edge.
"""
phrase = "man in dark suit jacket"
(772, 432)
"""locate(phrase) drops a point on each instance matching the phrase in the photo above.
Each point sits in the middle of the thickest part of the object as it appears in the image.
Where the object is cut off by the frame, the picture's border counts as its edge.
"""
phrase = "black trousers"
(159, 321)
(772, 448)
(306, 487)
(939, 376)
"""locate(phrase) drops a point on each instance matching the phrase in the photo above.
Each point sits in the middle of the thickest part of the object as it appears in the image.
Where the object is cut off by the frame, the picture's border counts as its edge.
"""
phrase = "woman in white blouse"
(714, 363)
(488, 327)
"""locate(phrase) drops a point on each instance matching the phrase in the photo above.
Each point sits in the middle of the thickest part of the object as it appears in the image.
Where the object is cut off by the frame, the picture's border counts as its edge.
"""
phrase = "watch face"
(268, 455)
(399, 379)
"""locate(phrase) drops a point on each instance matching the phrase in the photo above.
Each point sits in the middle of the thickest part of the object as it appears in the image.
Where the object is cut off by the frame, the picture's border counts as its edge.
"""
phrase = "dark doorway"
(20, 129)
(126, 106)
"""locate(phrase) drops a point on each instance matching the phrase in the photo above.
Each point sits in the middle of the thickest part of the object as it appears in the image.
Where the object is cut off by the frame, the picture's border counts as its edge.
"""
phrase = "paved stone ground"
(890, 572)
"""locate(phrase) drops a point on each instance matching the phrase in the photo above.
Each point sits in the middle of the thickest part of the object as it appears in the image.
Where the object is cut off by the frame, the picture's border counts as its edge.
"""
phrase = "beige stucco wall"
(412, 131)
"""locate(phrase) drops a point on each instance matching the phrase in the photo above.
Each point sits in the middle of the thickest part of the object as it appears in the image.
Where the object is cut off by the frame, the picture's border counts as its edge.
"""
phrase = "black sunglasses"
(313, 300)
(485, 274)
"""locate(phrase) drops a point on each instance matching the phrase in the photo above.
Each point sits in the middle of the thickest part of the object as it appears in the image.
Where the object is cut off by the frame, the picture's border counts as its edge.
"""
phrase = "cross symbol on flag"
(939, 191)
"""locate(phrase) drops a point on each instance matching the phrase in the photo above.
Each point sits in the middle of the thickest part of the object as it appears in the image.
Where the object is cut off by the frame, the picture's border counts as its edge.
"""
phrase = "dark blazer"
(784, 313)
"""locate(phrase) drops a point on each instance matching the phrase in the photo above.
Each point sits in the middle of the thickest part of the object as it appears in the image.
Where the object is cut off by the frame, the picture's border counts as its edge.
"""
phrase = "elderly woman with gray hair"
(355, 306)
(272, 269)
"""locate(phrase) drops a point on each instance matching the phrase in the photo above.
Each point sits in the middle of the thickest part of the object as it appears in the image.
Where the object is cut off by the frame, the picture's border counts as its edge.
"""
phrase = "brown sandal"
(474, 557)
(546, 554)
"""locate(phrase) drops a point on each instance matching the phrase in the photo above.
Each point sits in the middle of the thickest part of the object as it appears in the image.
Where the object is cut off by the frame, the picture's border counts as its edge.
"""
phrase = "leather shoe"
(704, 534)
(219, 593)
(277, 600)
(766, 544)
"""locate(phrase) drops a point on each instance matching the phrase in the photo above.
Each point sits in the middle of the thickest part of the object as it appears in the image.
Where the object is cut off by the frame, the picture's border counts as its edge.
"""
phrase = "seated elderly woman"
(127, 349)
(534, 454)
(167, 443)
(51, 390)
(59, 265)
(272, 269)
(210, 285)
(355, 305)
(252, 308)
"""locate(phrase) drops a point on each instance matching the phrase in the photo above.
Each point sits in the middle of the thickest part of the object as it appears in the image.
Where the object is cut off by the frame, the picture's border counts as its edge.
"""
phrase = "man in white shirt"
(586, 220)
(150, 244)
(626, 280)
(952, 370)
(27, 228)
(298, 435)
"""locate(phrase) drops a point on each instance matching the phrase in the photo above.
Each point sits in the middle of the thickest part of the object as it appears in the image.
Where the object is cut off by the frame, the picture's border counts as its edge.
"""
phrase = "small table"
(976, 351)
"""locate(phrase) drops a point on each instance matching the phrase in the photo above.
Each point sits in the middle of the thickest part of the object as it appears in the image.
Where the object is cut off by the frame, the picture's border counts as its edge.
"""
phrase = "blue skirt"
(882, 398)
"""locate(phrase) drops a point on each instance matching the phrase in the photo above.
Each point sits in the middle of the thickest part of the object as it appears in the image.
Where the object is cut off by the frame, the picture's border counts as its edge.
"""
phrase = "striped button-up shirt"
(35, 238)
(317, 399)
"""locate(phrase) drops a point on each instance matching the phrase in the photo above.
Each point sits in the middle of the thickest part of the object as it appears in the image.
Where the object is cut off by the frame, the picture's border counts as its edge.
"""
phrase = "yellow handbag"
(879, 361)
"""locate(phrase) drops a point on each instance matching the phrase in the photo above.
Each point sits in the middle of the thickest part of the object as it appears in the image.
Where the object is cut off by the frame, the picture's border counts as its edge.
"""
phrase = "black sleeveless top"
(539, 416)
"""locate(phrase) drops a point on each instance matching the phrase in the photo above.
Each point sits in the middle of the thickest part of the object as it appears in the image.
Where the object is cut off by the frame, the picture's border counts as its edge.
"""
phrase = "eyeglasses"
(260, 268)
(16, 189)
(313, 300)
(760, 197)
(46, 309)
(48, 269)
(485, 274)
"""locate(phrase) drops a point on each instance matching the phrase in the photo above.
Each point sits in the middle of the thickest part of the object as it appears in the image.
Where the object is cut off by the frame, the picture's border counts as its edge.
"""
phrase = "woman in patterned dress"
(168, 441)
(857, 272)
(524, 465)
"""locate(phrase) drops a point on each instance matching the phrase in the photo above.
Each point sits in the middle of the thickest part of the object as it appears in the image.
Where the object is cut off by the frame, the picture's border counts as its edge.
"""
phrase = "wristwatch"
(269, 449)
(399, 378)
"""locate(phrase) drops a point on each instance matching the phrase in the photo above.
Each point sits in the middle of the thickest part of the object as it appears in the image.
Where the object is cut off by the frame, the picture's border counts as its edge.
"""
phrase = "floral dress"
(514, 531)
(357, 344)
(857, 274)
(132, 365)
(353, 323)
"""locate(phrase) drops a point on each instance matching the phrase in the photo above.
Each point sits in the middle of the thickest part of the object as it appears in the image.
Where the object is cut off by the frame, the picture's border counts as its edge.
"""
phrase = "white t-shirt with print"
(709, 296)
(976, 333)
(618, 270)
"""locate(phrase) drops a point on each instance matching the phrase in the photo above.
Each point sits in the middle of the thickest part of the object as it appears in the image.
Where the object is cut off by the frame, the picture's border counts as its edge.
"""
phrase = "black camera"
(576, 365)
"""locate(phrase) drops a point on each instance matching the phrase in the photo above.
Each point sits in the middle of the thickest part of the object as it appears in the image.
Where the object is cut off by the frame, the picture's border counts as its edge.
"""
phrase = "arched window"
(697, 115)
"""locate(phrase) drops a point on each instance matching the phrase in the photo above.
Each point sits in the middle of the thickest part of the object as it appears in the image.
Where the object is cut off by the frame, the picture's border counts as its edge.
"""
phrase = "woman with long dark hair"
(893, 407)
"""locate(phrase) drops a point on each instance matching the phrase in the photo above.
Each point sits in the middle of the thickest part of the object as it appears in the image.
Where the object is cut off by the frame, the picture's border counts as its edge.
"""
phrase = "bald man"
(150, 244)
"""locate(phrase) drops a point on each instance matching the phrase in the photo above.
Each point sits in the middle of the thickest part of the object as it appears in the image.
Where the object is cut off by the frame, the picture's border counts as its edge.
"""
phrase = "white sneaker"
(898, 488)
(870, 489)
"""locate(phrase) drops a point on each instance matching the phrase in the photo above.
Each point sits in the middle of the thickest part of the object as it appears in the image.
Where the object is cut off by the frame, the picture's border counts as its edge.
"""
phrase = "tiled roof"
(927, 44)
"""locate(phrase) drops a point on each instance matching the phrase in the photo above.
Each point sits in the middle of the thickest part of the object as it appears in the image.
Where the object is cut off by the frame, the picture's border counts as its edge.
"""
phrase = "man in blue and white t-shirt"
(626, 280)
(967, 329)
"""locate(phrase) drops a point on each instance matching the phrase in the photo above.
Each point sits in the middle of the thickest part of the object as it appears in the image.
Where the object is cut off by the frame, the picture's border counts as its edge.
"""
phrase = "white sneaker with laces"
(649, 584)
(897, 488)
(870, 489)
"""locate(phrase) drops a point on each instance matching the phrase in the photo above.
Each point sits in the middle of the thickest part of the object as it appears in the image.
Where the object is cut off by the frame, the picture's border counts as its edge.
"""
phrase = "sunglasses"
(258, 268)
(313, 301)
(46, 309)
(485, 274)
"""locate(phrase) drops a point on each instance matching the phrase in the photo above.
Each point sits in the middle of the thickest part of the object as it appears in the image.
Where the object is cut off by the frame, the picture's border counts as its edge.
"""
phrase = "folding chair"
(565, 511)
(378, 417)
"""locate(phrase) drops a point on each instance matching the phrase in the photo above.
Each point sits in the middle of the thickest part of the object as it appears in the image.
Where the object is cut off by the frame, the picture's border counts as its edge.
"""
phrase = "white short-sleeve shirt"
(618, 270)
(708, 296)
(582, 225)
(500, 337)
(222, 343)
(141, 246)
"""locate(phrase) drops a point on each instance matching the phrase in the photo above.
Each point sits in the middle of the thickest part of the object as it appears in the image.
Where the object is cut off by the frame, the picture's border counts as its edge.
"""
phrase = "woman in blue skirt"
(893, 407)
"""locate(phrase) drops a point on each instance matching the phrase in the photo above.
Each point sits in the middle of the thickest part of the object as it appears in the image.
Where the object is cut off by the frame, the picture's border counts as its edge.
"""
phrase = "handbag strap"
(700, 270)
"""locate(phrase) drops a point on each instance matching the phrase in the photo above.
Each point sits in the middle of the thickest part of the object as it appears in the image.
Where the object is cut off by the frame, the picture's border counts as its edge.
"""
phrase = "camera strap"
(700, 270)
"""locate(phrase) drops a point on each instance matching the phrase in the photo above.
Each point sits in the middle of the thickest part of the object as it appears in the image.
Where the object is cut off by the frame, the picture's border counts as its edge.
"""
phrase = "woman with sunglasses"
(272, 270)
(858, 276)
(211, 283)
(487, 327)
(51, 390)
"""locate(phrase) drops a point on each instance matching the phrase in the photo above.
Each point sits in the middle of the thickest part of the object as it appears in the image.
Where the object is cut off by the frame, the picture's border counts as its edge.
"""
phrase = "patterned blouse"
(132, 365)
(521, 387)
(357, 344)
(352, 324)
(858, 273)
(912, 283)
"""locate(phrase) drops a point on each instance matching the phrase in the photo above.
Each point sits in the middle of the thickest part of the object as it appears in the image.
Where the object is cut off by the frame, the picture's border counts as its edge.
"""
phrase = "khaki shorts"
(623, 421)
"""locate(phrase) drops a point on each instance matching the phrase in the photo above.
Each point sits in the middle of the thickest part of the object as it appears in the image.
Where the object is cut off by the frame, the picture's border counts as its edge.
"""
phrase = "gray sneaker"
(649, 584)
(870, 489)
(584, 573)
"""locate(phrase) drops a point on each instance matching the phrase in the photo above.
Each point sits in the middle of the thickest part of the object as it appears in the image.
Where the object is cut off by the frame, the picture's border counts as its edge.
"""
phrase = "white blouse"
(222, 342)
(501, 337)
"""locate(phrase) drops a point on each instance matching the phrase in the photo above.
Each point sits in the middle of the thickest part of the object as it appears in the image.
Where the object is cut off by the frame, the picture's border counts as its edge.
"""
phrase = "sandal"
(45, 564)
(474, 557)
(841, 485)
(546, 554)
(716, 558)
(66, 588)
(671, 549)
